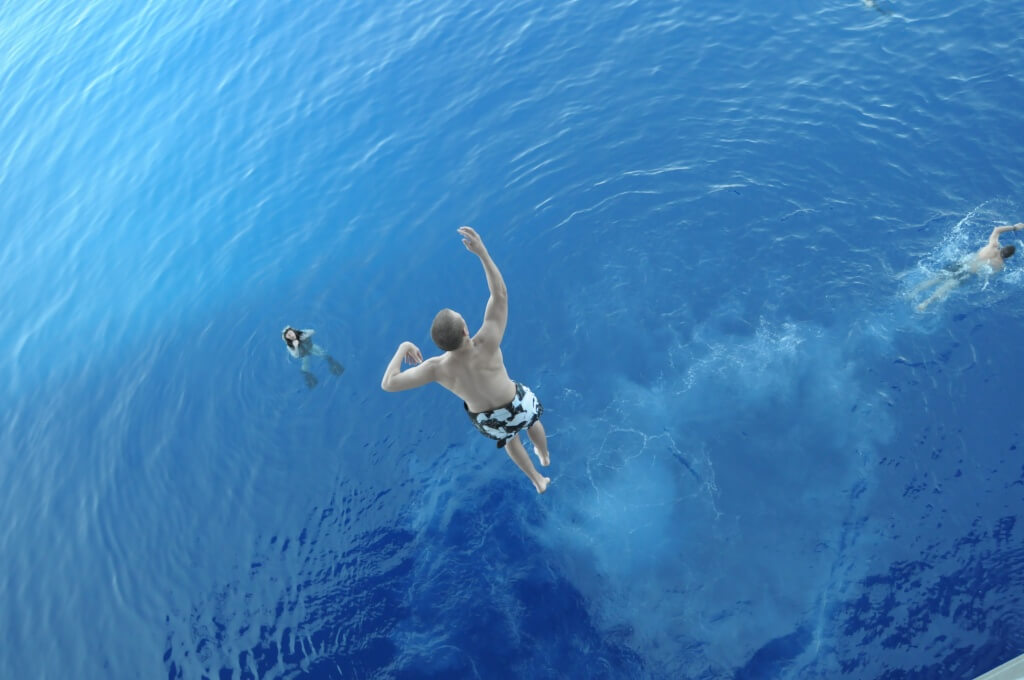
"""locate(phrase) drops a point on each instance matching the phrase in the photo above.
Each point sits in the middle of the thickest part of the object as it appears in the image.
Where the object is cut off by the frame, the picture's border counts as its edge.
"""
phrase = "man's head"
(449, 330)
(1007, 251)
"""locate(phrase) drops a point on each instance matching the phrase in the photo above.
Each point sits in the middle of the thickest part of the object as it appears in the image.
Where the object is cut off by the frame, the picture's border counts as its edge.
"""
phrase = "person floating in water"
(990, 258)
(873, 4)
(474, 370)
(301, 347)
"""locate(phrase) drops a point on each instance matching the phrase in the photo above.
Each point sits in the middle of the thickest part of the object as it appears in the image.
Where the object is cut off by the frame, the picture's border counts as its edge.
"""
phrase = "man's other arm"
(396, 380)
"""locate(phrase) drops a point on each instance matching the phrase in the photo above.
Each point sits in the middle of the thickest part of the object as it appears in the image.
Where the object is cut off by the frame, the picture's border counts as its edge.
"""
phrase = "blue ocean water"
(766, 464)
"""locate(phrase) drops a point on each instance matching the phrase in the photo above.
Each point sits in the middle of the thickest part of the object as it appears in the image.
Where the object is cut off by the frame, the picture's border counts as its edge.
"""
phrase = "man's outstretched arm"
(395, 380)
(994, 237)
(496, 314)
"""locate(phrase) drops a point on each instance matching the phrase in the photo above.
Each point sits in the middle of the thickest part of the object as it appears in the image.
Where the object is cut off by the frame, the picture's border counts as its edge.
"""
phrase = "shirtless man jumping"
(991, 257)
(473, 369)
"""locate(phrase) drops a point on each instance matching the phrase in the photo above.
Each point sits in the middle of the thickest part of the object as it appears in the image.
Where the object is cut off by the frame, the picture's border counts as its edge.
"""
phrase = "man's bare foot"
(543, 485)
(543, 457)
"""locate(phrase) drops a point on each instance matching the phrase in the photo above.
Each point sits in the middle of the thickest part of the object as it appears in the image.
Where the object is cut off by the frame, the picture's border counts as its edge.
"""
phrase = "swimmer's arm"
(993, 239)
(396, 380)
(496, 313)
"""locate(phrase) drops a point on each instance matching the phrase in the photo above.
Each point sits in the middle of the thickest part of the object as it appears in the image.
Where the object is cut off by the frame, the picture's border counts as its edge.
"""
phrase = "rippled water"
(710, 218)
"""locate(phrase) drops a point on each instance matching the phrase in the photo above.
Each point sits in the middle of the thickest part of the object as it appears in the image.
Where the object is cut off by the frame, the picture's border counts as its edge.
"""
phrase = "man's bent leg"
(540, 443)
(927, 284)
(940, 294)
(518, 454)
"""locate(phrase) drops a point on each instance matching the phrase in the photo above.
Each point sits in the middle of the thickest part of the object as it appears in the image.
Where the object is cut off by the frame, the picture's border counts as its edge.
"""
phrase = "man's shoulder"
(439, 365)
(452, 365)
(486, 344)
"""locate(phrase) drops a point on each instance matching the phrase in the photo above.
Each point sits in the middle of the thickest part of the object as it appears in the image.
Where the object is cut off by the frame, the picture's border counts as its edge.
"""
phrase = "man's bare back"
(988, 255)
(475, 373)
(473, 368)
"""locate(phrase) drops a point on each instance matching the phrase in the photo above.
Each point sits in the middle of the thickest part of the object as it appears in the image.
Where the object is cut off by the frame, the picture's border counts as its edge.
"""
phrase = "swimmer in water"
(473, 369)
(989, 259)
(873, 4)
(301, 347)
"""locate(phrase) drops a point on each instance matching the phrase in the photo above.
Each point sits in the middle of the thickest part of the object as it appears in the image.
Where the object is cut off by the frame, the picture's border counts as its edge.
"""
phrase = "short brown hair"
(446, 331)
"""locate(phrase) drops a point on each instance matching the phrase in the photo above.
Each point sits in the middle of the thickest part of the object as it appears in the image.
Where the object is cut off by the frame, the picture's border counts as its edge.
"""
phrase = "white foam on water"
(727, 540)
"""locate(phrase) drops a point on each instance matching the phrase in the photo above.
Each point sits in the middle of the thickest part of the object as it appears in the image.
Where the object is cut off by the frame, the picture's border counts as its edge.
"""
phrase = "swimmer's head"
(449, 330)
(1007, 251)
(290, 336)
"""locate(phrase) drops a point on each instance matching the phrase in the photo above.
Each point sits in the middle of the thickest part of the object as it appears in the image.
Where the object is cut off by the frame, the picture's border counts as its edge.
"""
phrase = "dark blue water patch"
(494, 607)
(347, 608)
(958, 599)
(466, 596)
(771, 660)
(960, 663)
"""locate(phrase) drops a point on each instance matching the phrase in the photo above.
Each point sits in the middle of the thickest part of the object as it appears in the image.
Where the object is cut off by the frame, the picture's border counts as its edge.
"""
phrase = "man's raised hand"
(412, 354)
(472, 241)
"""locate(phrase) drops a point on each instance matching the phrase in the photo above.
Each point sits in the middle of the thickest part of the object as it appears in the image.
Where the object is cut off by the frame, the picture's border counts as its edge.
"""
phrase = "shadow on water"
(771, 660)
(436, 601)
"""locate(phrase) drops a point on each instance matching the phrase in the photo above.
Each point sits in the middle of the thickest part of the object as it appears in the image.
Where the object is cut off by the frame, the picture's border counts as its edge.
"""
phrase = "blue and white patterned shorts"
(504, 422)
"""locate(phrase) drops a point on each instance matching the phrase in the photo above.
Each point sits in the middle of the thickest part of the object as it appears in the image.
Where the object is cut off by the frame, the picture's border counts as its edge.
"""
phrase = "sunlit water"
(766, 464)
